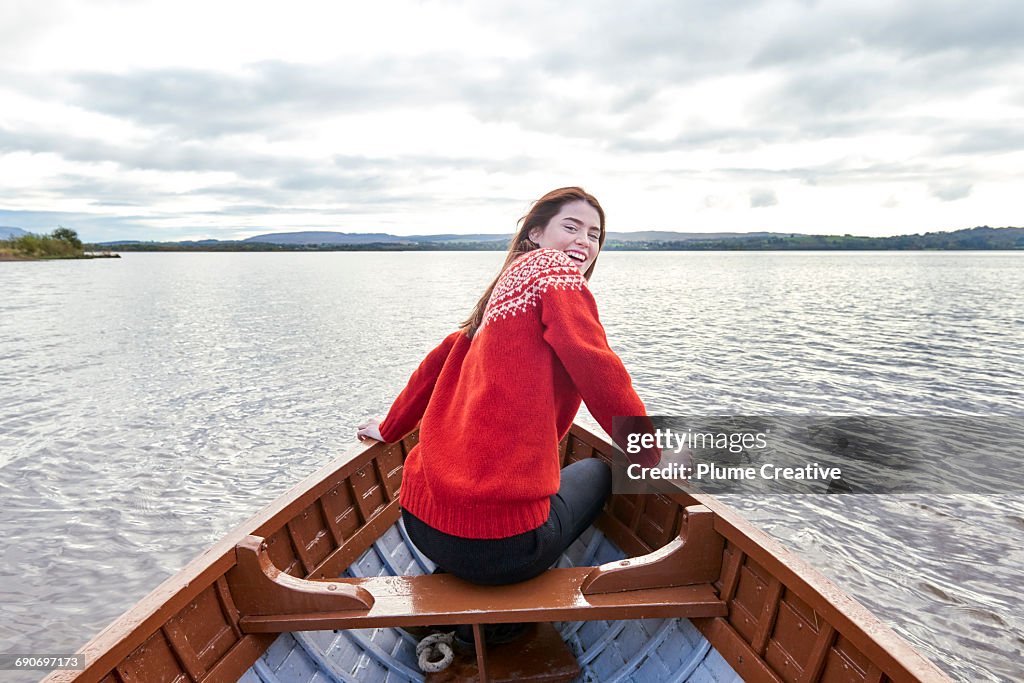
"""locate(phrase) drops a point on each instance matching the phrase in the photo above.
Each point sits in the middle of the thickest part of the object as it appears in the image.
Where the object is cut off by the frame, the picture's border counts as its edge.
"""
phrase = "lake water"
(150, 404)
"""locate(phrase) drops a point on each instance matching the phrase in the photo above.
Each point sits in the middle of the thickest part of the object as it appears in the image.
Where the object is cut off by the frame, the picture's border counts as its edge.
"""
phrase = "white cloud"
(951, 191)
(410, 117)
(761, 198)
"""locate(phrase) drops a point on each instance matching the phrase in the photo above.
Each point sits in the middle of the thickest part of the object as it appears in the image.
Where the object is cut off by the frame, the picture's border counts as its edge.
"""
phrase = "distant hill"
(982, 237)
(314, 237)
(667, 236)
(458, 238)
(7, 232)
(323, 237)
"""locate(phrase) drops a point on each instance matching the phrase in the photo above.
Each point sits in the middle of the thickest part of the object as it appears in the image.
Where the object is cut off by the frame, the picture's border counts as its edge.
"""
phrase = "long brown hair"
(539, 215)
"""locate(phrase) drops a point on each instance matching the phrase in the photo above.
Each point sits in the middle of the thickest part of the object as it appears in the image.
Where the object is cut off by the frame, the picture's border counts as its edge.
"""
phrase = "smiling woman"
(556, 219)
(576, 230)
(515, 375)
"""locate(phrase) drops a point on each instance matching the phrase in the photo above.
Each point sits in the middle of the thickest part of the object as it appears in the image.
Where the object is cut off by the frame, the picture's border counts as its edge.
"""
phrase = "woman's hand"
(369, 430)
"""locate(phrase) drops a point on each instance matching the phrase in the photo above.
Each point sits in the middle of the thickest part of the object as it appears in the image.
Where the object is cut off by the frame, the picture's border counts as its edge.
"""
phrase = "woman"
(482, 494)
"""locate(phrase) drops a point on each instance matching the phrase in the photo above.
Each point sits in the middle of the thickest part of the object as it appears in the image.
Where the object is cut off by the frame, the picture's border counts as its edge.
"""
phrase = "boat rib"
(779, 620)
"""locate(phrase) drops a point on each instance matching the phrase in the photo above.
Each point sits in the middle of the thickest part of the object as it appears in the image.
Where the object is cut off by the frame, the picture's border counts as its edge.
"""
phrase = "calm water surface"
(150, 404)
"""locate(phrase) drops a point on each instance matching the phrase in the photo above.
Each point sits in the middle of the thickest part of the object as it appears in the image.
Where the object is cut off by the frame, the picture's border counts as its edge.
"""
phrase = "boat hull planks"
(777, 619)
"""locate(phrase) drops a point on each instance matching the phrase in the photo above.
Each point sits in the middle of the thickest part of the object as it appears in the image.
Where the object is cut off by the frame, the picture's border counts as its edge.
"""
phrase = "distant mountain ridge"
(977, 238)
(8, 232)
(326, 237)
(980, 237)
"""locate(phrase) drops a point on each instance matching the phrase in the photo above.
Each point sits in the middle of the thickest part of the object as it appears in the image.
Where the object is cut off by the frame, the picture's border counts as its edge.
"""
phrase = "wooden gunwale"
(131, 631)
(891, 657)
(842, 613)
(141, 638)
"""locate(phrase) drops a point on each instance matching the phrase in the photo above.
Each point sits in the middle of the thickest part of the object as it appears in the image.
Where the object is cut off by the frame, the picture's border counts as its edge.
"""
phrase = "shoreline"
(9, 257)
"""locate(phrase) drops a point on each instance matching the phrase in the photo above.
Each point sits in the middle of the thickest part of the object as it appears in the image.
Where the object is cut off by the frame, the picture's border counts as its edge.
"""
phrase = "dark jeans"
(584, 488)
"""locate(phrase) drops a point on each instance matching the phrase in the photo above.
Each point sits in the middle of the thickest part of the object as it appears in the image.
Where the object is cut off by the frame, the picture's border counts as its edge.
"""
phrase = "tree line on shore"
(65, 243)
(62, 243)
(983, 237)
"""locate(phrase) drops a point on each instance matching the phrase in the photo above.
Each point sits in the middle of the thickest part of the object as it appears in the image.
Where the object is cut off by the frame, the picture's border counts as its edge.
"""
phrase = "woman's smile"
(575, 230)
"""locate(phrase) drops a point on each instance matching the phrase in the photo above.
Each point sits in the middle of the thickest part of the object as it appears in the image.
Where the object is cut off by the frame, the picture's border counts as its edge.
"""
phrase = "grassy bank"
(62, 243)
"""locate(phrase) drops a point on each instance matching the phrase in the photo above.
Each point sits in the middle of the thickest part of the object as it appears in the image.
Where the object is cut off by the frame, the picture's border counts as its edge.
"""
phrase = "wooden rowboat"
(673, 587)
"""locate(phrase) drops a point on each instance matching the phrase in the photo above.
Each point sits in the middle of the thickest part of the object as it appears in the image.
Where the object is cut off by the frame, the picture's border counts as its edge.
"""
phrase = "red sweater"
(492, 410)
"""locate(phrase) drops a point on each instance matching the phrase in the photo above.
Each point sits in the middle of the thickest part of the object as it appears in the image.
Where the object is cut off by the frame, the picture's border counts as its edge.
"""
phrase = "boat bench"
(673, 581)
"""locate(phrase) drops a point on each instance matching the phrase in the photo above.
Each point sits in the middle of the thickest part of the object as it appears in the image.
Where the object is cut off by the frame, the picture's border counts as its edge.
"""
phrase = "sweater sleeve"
(574, 331)
(408, 408)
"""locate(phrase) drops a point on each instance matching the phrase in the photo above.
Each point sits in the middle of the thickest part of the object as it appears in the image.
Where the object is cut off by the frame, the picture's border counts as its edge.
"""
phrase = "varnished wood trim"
(443, 598)
(693, 557)
(621, 535)
(638, 514)
(227, 605)
(239, 658)
(741, 657)
(894, 657)
(358, 499)
(816, 663)
(357, 543)
(480, 645)
(600, 446)
(332, 528)
(301, 551)
(766, 620)
(880, 644)
(381, 475)
(107, 649)
(330, 518)
(731, 573)
(184, 652)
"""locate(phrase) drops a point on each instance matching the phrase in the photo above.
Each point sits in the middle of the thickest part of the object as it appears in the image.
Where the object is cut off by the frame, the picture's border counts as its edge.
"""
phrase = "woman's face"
(575, 230)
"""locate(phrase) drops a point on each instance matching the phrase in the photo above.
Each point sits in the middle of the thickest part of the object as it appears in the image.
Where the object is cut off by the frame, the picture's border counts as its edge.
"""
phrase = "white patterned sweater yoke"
(520, 287)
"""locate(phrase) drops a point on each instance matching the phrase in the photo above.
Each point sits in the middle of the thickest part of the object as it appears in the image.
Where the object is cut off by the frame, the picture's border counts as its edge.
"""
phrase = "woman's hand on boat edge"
(369, 430)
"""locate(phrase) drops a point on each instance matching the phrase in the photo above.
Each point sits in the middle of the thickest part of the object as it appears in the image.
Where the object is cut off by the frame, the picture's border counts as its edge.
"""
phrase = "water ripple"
(150, 404)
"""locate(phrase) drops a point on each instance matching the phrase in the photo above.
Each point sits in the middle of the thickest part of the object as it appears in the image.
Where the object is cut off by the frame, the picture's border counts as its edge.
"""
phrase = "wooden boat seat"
(673, 581)
(444, 599)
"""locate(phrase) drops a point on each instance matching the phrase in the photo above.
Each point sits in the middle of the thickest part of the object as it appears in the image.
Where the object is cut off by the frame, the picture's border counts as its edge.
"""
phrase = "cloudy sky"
(175, 120)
